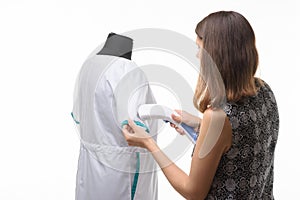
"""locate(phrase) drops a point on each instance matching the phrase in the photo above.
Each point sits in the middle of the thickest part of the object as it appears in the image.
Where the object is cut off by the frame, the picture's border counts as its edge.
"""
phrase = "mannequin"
(110, 87)
(117, 45)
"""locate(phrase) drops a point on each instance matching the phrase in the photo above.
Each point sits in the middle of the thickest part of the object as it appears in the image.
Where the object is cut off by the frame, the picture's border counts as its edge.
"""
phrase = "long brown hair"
(229, 41)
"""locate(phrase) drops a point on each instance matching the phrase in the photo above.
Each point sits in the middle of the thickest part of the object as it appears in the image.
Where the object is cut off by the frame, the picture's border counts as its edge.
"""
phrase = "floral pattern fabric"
(246, 170)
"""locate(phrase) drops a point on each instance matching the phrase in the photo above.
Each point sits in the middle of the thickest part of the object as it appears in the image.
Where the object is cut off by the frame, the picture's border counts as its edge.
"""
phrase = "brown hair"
(229, 41)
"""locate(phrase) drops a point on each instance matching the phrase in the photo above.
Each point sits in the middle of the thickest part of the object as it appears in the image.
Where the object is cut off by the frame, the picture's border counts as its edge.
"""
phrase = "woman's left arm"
(212, 143)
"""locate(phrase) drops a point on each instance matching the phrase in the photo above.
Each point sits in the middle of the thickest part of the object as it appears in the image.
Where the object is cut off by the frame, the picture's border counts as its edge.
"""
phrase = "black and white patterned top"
(246, 170)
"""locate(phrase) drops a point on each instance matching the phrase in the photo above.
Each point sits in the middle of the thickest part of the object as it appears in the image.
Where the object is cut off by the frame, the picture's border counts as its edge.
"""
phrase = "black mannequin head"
(117, 45)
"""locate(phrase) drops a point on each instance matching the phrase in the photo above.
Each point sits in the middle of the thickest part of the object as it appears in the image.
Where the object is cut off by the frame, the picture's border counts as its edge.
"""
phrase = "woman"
(234, 154)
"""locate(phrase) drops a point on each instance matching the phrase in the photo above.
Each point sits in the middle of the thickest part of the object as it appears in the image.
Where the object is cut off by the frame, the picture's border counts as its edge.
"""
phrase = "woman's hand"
(136, 135)
(187, 118)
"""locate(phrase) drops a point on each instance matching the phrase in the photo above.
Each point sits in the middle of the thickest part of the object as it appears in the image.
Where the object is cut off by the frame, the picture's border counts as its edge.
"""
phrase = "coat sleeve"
(133, 90)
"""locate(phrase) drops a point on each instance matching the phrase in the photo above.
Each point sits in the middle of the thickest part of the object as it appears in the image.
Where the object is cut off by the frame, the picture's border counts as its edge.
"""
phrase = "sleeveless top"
(245, 171)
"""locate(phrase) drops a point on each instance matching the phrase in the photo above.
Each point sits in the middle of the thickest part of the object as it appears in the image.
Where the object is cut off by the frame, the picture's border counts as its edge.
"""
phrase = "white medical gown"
(109, 89)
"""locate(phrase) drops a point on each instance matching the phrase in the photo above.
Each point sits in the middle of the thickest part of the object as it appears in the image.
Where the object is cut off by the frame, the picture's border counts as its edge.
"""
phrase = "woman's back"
(246, 170)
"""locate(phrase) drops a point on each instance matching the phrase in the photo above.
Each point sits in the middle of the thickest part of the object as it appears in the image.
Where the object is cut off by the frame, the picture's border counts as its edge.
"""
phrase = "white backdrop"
(42, 47)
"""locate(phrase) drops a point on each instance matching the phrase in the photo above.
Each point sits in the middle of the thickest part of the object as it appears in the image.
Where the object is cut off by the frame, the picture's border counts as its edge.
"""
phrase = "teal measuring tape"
(138, 161)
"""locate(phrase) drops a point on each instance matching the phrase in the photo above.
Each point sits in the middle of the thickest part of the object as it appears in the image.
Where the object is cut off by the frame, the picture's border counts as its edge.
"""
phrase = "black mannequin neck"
(117, 45)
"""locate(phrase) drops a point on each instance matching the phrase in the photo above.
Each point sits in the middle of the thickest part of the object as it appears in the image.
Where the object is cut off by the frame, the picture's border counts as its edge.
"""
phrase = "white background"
(42, 47)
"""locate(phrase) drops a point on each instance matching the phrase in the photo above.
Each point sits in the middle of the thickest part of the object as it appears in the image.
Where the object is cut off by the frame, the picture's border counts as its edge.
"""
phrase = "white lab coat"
(109, 90)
